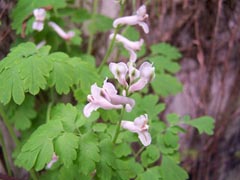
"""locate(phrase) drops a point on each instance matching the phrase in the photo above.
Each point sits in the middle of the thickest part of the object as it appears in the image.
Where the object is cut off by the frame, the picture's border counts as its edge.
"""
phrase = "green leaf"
(84, 72)
(122, 150)
(79, 15)
(12, 86)
(62, 74)
(24, 9)
(99, 127)
(172, 119)
(100, 23)
(23, 71)
(65, 147)
(22, 115)
(34, 71)
(203, 124)
(171, 140)
(107, 160)
(171, 171)
(165, 85)
(38, 150)
(128, 169)
(145, 104)
(163, 64)
(88, 153)
(166, 50)
(153, 172)
(150, 155)
(67, 114)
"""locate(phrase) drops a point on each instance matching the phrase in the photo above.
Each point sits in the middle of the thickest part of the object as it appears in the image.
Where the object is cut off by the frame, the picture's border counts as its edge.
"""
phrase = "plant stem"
(109, 51)
(49, 108)
(9, 127)
(33, 174)
(5, 155)
(118, 127)
(91, 37)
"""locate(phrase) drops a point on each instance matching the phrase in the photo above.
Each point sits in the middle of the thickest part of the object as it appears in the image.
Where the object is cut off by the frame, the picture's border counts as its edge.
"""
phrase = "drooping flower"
(106, 98)
(131, 46)
(139, 126)
(65, 35)
(139, 18)
(147, 74)
(119, 70)
(39, 15)
(53, 160)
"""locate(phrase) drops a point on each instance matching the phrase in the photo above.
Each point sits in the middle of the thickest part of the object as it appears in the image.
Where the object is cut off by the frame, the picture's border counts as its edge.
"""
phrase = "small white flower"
(139, 126)
(119, 70)
(106, 98)
(65, 35)
(147, 74)
(139, 19)
(131, 46)
(53, 160)
(39, 15)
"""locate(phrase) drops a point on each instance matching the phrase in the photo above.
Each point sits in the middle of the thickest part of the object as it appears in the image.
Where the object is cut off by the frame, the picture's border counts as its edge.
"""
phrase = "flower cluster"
(132, 79)
(38, 24)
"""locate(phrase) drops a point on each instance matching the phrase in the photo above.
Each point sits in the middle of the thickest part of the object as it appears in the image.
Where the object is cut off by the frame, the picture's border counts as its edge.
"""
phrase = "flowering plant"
(78, 120)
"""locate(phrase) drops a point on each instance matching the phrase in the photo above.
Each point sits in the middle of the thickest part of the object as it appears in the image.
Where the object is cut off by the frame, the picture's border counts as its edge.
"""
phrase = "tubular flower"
(147, 74)
(119, 70)
(39, 15)
(139, 126)
(139, 19)
(106, 98)
(53, 160)
(131, 46)
(65, 35)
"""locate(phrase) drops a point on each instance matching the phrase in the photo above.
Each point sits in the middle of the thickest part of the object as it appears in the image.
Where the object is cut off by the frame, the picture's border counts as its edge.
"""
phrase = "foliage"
(44, 89)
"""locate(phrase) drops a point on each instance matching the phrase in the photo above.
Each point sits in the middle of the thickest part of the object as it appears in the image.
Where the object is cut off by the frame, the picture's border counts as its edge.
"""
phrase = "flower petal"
(145, 138)
(89, 108)
(141, 121)
(129, 126)
(144, 26)
(140, 84)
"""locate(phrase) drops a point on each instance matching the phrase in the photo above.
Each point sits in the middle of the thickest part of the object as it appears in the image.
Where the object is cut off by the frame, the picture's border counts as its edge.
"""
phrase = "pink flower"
(139, 126)
(147, 74)
(139, 19)
(65, 35)
(106, 98)
(119, 70)
(54, 160)
(39, 15)
(131, 46)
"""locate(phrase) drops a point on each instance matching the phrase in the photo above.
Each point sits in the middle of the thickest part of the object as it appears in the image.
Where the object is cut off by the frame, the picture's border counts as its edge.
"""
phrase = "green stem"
(118, 127)
(139, 151)
(109, 51)
(9, 127)
(5, 155)
(91, 37)
(33, 174)
(49, 108)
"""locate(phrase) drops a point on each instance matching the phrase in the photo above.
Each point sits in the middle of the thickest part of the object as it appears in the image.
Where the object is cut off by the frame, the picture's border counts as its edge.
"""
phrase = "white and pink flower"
(139, 126)
(106, 98)
(137, 19)
(130, 46)
(147, 74)
(39, 15)
(65, 35)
